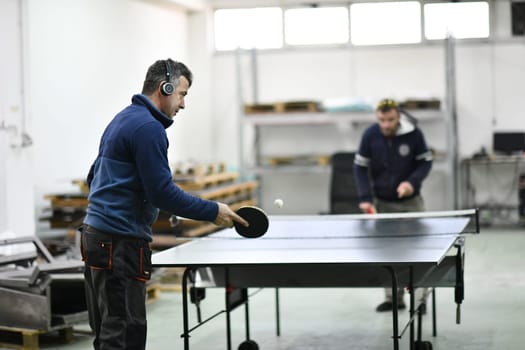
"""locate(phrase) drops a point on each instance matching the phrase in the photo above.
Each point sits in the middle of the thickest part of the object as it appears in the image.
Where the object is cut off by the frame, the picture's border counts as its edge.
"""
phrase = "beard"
(389, 132)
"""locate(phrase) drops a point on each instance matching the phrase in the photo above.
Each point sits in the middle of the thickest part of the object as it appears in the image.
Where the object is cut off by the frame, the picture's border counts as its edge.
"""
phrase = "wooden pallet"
(299, 160)
(297, 106)
(171, 287)
(154, 289)
(421, 104)
(152, 292)
(206, 181)
(82, 185)
(259, 108)
(29, 339)
(171, 279)
(226, 192)
(184, 171)
(67, 222)
(194, 177)
(282, 107)
(71, 201)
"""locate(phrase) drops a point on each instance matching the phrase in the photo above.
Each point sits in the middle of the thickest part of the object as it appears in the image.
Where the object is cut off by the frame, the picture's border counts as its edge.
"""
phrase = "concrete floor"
(493, 313)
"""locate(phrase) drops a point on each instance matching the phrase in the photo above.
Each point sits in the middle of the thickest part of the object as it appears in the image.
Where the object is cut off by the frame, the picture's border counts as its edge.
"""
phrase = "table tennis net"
(442, 219)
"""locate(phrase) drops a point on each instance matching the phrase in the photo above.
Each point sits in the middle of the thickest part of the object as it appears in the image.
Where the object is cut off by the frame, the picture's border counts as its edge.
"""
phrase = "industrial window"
(362, 23)
(248, 28)
(317, 25)
(460, 19)
(385, 23)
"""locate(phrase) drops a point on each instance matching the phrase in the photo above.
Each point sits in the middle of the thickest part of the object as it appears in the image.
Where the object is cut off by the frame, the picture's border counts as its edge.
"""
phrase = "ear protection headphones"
(167, 88)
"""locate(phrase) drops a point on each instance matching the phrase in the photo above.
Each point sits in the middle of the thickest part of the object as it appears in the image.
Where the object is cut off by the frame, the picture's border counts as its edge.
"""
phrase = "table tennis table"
(408, 250)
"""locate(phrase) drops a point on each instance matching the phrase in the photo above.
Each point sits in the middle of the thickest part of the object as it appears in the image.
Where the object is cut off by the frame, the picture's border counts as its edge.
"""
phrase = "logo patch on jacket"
(404, 150)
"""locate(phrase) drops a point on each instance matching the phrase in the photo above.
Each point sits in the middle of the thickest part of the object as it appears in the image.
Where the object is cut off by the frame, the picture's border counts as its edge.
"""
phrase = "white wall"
(86, 58)
(195, 129)
(16, 170)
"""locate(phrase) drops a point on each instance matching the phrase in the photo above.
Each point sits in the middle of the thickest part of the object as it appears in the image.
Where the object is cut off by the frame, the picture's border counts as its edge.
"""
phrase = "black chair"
(343, 191)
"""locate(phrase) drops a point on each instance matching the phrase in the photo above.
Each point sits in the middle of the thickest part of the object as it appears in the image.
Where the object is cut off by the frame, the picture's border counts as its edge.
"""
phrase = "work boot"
(388, 306)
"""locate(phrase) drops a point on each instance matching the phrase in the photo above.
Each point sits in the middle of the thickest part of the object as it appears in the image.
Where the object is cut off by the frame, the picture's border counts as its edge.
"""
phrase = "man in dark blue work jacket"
(389, 168)
(129, 182)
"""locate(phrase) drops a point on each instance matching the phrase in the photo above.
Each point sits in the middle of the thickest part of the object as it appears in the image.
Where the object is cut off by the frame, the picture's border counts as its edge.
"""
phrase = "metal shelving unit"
(320, 118)
(342, 120)
(497, 193)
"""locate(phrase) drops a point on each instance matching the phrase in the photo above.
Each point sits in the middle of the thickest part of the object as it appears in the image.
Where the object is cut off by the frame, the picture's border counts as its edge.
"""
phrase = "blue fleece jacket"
(382, 163)
(130, 178)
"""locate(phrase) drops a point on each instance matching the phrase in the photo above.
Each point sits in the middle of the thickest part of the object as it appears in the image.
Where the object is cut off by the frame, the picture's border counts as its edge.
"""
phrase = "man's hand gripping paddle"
(257, 219)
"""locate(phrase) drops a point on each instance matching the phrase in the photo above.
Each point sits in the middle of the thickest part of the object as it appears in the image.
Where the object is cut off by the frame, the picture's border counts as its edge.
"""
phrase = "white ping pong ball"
(278, 202)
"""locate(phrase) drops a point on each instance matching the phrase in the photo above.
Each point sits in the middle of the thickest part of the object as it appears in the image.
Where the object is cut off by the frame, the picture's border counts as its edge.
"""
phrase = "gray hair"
(158, 73)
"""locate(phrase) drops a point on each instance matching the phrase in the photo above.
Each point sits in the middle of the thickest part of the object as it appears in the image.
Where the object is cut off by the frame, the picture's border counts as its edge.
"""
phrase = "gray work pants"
(116, 269)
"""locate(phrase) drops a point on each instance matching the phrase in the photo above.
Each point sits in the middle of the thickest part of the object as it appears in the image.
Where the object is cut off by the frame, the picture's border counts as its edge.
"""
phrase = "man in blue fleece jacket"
(129, 182)
(392, 161)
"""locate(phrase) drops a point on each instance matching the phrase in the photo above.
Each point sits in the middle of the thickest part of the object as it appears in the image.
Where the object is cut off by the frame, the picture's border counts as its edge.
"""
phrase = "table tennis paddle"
(257, 219)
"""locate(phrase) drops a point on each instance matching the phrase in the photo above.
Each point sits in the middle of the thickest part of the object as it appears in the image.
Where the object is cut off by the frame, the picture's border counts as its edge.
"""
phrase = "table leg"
(434, 317)
(395, 323)
(228, 320)
(277, 313)
(185, 317)
(247, 319)
(412, 303)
